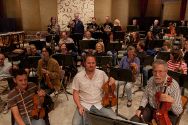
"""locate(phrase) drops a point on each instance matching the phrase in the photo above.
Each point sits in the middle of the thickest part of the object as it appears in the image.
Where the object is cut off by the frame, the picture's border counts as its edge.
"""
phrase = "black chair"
(163, 55)
(120, 75)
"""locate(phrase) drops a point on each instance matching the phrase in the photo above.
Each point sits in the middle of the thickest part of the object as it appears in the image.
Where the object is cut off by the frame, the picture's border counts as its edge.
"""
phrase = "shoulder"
(80, 74)
(52, 60)
(12, 93)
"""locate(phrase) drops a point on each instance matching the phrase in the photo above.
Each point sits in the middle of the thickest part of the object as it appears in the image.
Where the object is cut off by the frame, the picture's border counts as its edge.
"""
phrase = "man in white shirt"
(87, 91)
(5, 68)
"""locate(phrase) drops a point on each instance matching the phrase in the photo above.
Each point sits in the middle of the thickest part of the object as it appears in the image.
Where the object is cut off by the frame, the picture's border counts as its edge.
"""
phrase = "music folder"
(87, 44)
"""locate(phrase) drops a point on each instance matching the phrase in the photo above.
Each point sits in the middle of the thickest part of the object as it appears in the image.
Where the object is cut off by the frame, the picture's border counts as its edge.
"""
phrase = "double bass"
(161, 114)
(109, 99)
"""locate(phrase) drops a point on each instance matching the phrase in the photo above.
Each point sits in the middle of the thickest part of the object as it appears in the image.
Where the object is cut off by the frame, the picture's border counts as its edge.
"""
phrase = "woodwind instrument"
(47, 77)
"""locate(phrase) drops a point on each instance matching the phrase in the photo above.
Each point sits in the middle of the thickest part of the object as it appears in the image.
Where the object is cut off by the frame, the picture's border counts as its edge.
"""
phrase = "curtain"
(183, 9)
(143, 7)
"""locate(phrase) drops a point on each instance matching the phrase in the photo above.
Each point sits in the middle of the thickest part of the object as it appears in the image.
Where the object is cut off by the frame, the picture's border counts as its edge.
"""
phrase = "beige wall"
(120, 10)
(102, 8)
(153, 8)
(48, 8)
(133, 9)
(171, 10)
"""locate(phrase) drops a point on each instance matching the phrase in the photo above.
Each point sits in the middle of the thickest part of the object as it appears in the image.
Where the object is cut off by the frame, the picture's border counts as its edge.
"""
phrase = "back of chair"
(184, 103)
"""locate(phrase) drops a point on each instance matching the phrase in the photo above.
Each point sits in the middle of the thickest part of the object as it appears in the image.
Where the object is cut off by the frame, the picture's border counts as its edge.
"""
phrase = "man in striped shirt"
(156, 84)
(20, 100)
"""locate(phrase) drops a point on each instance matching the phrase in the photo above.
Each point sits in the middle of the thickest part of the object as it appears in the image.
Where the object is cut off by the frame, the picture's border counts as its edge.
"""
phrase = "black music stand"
(97, 119)
(119, 36)
(185, 83)
(71, 46)
(114, 46)
(87, 44)
(39, 44)
(97, 34)
(51, 37)
(120, 75)
(163, 55)
(103, 60)
(33, 64)
(132, 28)
(156, 43)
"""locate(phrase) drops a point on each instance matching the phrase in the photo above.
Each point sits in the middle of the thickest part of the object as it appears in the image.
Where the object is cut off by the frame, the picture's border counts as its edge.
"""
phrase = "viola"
(38, 111)
(109, 99)
(161, 115)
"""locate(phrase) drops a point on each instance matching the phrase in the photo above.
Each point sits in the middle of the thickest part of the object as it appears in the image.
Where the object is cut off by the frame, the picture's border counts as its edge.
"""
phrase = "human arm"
(17, 115)
(77, 101)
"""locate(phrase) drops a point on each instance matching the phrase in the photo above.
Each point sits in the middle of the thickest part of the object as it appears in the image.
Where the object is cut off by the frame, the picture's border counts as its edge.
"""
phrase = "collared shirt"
(173, 66)
(173, 90)
(90, 91)
(4, 70)
(14, 99)
(125, 63)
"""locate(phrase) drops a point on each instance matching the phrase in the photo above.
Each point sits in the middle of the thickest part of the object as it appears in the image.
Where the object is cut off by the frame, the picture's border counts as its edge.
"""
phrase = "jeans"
(33, 122)
(128, 89)
(80, 120)
(145, 75)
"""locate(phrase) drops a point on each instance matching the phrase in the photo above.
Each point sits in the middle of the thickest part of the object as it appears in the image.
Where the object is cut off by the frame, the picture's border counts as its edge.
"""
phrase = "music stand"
(128, 122)
(114, 46)
(97, 34)
(103, 60)
(87, 44)
(185, 83)
(39, 44)
(156, 44)
(163, 55)
(70, 46)
(97, 119)
(120, 75)
(51, 37)
(119, 36)
(33, 64)
(132, 28)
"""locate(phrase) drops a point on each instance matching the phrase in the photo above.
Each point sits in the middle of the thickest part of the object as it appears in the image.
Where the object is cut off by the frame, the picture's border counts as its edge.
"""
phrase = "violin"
(38, 111)
(133, 68)
(109, 99)
(161, 114)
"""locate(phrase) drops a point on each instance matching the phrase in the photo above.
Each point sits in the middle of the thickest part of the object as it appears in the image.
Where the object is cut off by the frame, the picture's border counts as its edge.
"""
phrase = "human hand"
(81, 110)
(111, 81)
(44, 71)
(138, 113)
(166, 98)
(41, 92)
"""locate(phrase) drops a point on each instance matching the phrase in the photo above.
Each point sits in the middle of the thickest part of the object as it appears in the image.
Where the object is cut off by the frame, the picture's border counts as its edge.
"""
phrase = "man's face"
(2, 59)
(159, 73)
(90, 64)
(21, 81)
(131, 53)
(64, 35)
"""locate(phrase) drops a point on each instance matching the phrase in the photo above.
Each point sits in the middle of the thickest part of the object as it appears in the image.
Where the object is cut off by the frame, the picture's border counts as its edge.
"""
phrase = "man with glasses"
(156, 84)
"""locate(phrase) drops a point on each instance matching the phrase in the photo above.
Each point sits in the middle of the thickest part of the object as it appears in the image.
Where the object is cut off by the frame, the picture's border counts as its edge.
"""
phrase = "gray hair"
(160, 62)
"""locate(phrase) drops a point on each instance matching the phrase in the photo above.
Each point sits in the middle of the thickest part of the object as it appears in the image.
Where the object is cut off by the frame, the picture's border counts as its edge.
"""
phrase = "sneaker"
(129, 103)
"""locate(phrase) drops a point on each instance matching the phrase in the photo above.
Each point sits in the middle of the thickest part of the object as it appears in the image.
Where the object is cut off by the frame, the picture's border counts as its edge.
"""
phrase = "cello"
(109, 99)
(161, 114)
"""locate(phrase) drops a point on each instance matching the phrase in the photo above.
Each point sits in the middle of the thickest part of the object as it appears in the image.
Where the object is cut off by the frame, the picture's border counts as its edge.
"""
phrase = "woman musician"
(48, 72)
(131, 62)
(176, 62)
(20, 100)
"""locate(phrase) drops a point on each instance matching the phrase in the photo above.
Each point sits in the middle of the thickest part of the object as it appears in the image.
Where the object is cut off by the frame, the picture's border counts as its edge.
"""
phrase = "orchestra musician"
(131, 62)
(156, 84)
(87, 92)
(93, 26)
(176, 62)
(5, 73)
(48, 72)
(20, 100)
(53, 27)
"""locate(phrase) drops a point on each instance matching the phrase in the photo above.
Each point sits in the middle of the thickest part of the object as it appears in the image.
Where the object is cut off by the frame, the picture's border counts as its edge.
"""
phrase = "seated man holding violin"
(22, 103)
(161, 101)
(87, 92)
